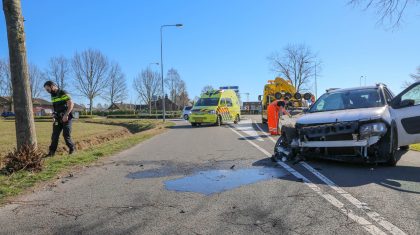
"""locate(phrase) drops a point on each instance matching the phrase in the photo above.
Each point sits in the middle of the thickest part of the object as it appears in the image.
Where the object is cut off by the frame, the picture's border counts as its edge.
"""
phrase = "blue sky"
(224, 42)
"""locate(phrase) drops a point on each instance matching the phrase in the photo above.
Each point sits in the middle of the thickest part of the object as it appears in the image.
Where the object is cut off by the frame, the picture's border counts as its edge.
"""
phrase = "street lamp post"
(161, 63)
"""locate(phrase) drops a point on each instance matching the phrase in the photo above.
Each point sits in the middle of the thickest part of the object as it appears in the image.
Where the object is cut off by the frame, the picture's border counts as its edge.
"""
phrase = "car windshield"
(188, 108)
(353, 99)
(207, 102)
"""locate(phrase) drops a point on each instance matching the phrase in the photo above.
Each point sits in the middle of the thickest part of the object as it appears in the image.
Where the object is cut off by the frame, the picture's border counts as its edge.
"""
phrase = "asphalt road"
(219, 180)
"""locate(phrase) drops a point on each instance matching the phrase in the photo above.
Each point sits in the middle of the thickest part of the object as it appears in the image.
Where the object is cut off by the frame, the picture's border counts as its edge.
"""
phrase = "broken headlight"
(372, 129)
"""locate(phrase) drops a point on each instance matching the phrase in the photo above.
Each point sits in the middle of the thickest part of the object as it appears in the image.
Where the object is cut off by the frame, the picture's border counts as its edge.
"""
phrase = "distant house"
(252, 107)
(40, 106)
(5, 105)
(123, 107)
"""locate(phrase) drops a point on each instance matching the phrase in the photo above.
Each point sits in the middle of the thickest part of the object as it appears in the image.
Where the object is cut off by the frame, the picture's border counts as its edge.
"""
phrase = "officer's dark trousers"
(57, 128)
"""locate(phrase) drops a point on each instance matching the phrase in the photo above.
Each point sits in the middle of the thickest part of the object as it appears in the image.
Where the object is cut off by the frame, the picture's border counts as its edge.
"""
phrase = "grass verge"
(18, 182)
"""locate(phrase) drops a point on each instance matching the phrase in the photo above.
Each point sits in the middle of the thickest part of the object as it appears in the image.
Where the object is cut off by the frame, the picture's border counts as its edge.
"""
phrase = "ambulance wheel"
(237, 119)
(219, 121)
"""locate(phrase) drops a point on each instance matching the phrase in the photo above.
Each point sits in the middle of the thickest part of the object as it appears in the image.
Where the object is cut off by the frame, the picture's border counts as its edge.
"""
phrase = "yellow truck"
(216, 107)
(278, 89)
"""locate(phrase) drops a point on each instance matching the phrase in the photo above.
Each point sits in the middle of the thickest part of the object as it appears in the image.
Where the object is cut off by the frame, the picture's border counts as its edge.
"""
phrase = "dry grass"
(27, 158)
(99, 140)
(84, 134)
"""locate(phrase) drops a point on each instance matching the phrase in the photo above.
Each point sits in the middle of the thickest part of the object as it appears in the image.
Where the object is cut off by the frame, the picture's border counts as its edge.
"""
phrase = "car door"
(405, 109)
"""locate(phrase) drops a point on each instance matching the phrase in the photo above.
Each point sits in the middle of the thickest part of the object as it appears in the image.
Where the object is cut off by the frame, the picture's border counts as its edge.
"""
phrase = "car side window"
(229, 102)
(412, 94)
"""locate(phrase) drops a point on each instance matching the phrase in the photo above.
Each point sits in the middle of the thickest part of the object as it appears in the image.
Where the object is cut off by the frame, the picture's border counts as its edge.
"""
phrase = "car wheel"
(237, 119)
(193, 124)
(388, 146)
(186, 117)
(404, 148)
(219, 120)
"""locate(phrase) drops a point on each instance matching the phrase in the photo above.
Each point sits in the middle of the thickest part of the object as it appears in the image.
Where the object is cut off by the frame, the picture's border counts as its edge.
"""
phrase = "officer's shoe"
(72, 151)
(50, 154)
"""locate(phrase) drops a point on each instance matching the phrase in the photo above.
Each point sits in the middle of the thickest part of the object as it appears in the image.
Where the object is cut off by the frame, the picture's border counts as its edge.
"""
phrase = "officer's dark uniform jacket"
(59, 100)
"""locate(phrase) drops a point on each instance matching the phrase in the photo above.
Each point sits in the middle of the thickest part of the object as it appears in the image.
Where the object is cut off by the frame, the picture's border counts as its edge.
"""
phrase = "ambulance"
(216, 107)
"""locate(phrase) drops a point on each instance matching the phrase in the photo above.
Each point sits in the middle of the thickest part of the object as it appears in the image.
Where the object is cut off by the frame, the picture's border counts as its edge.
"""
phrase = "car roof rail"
(331, 89)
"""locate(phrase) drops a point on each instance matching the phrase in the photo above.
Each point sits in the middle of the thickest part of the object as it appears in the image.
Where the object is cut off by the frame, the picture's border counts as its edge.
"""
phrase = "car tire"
(193, 124)
(186, 117)
(389, 141)
(219, 120)
(237, 119)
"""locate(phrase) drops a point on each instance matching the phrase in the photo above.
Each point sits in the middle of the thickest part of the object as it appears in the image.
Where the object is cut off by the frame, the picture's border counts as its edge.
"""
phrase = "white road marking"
(245, 125)
(268, 135)
(363, 206)
(369, 227)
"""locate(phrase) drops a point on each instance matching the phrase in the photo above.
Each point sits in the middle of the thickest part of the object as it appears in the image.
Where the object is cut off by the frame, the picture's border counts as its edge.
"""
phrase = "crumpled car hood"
(347, 115)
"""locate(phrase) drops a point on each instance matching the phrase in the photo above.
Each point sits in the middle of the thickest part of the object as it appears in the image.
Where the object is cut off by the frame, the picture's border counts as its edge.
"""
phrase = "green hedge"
(143, 116)
(87, 116)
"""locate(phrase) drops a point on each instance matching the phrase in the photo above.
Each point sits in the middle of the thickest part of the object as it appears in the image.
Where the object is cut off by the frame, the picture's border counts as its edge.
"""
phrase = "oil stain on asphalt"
(215, 181)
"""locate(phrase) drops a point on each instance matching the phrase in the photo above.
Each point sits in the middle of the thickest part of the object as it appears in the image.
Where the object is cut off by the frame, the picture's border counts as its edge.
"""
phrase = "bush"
(27, 158)
(87, 116)
(144, 116)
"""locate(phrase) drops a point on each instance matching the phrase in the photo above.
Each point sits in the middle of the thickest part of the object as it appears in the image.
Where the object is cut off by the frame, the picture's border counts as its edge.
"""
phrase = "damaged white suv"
(368, 123)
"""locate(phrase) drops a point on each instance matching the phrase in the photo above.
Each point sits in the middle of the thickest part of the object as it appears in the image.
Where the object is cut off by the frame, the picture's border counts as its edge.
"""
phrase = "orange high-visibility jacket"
(273, 111)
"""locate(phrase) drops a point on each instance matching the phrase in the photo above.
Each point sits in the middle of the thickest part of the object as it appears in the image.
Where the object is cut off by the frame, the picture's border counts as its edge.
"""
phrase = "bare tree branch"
(36, 78)
(117, 89)
(5, 79)
(91, 74)
(415, 78)
(206, 88)
(59, 70)
(147, 85)
(390, 12)
(296, 63)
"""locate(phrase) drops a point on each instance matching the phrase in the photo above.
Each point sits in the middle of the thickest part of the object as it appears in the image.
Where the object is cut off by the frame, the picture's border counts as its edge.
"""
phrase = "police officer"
(63, 106)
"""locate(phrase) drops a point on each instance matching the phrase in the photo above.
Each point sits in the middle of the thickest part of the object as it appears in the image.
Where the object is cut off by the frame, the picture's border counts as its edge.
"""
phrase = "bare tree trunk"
(22, 102)
(90, 105)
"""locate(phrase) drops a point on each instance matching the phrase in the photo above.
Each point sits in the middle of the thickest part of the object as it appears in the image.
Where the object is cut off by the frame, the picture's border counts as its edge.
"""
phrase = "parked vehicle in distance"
(186, 112)
(366, 122)
(280, 88)
(216, 107)
(8, 114)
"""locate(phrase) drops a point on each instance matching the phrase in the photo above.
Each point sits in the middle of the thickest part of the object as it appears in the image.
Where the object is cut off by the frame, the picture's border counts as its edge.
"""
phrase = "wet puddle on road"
(215, 181)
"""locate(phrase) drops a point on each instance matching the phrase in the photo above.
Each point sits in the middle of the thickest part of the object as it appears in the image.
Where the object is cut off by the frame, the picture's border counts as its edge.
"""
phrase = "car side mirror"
(406, 103)
(259, 98)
